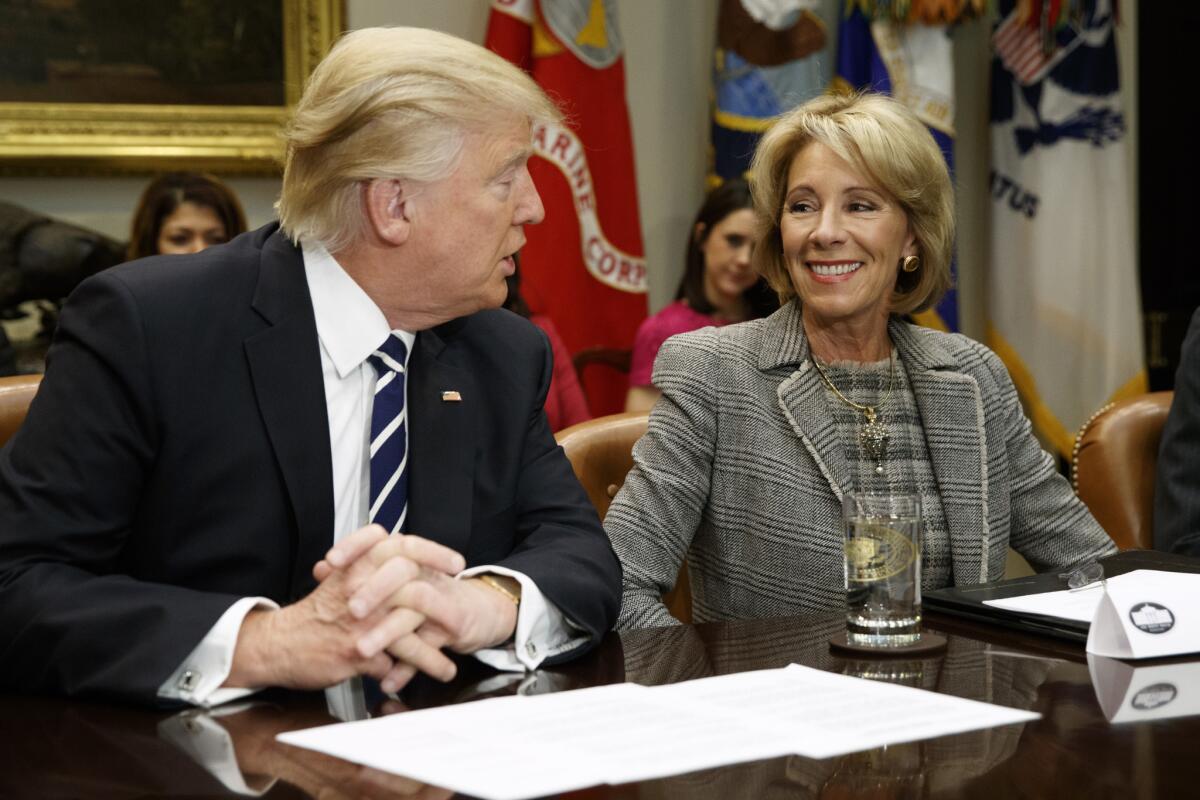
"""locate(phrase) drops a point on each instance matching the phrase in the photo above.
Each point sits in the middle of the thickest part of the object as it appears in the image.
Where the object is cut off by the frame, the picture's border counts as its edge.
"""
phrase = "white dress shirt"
(350, 327)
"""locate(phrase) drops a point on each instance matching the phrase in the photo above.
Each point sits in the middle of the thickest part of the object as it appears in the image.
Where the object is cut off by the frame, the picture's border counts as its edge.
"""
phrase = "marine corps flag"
(584, 265)
(1062, 278)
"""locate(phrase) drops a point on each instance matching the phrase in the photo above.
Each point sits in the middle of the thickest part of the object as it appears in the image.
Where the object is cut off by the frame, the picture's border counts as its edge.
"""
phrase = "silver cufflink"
(188, 680)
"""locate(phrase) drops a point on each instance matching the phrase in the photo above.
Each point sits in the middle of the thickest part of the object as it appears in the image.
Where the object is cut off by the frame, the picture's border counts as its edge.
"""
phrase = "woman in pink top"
(718, 286)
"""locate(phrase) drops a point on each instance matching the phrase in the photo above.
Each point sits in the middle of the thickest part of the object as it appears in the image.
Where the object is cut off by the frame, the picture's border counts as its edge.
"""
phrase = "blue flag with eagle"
(771, 56)
(914, 64)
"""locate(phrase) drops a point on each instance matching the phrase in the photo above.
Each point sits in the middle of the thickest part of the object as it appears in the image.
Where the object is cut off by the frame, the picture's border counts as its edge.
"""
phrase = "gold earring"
(910, 264)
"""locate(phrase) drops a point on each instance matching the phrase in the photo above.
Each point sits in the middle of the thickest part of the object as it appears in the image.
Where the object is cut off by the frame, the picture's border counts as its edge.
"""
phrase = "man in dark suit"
(183, 515)
(1177, 491)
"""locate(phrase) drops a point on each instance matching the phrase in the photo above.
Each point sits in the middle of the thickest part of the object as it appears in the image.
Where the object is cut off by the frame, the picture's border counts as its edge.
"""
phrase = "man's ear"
(387, 205)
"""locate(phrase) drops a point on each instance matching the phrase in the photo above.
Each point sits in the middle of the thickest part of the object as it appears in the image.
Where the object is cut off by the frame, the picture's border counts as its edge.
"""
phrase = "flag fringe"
(1045, 422)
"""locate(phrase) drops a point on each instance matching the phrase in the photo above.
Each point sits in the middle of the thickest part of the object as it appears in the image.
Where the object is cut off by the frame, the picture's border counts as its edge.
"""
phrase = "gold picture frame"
(109, 138)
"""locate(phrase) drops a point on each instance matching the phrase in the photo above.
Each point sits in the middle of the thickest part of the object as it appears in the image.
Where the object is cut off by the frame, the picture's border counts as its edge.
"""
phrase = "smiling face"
(727, 249)
(843, 239)
(466, 227)
(190, 228)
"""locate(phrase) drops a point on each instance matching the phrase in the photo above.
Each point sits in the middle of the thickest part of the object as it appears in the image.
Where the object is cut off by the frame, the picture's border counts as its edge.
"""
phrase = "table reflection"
(1134, 692)
(967, 668)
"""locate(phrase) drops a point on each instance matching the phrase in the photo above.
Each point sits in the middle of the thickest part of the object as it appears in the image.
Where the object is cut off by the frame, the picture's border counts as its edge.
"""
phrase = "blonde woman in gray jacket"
(763, 426)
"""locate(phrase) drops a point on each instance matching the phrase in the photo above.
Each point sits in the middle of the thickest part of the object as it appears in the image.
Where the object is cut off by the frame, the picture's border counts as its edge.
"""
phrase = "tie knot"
(389, 356)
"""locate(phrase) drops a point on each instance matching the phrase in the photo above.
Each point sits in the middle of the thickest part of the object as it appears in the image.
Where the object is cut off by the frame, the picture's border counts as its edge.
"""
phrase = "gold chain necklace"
(873, 436)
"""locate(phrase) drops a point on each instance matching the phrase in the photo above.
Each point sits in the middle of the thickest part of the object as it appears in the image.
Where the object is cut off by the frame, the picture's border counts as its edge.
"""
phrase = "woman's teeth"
(829, 270)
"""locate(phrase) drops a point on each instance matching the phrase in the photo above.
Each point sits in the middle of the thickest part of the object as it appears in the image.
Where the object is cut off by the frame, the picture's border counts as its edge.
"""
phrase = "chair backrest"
(612, 357)
(601, 453)
(1115, 464)
(604, 388)
(16, 393)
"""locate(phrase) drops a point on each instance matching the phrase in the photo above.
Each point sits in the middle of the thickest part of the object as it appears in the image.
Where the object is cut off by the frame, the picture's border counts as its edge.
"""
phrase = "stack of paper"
(514, 747)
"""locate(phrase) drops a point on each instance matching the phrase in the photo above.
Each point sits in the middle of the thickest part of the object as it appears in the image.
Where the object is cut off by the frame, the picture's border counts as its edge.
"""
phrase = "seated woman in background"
(184, 212)
(719, 285)
(565, 403)
(759, 431)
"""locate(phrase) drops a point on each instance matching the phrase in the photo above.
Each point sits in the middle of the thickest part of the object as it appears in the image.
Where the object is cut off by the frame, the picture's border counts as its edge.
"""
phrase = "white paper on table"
(1076, 604)
(1129, 693)
(477, 748)
(822, 714)
(1146, 614)
(516, 747)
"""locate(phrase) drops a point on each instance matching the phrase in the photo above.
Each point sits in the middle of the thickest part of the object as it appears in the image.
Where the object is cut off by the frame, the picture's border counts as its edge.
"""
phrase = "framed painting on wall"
(122, 86)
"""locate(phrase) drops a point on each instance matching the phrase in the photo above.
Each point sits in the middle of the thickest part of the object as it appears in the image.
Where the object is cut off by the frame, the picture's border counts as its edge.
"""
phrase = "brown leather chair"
(601, 453)
(16, 393)
(1115, 463)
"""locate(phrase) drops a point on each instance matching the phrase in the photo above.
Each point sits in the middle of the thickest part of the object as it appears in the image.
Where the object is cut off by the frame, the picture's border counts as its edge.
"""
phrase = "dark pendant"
(873, 438)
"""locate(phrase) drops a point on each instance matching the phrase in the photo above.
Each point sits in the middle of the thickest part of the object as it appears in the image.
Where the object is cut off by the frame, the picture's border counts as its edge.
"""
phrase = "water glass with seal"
(883, 569)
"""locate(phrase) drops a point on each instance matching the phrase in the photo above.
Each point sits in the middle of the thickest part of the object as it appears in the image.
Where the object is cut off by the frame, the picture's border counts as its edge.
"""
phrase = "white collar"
(349, 324)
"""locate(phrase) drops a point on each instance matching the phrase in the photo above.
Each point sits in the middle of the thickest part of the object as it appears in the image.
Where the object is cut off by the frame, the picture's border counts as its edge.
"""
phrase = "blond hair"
(893, 149)
(391, 103)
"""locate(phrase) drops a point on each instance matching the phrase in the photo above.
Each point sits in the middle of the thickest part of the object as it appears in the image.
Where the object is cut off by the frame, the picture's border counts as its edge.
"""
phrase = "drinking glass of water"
(883, 569)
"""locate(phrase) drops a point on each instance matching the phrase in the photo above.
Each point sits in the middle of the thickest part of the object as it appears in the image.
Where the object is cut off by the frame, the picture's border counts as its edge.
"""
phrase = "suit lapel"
(951, 411)
(806, 408)
(802, 398)
(442, 440)
(285, 367)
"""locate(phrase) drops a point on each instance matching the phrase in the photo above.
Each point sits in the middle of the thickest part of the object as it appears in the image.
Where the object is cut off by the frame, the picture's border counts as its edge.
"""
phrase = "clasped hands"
(385, 606)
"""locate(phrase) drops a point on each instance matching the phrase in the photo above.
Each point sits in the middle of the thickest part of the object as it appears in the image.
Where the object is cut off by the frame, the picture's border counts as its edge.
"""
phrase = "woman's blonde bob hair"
(885, 142)
(391, 103)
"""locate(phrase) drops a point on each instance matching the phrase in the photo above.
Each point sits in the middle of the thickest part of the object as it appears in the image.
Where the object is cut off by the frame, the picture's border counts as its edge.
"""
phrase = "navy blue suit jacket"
(1177, 488)
(177, 458)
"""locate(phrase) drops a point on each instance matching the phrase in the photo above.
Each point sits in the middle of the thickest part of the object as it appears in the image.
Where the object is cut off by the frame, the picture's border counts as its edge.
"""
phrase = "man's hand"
(318, 641)
(430, 609)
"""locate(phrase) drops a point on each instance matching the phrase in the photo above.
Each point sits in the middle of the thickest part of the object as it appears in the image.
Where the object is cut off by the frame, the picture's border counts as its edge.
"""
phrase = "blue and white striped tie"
(389, 437)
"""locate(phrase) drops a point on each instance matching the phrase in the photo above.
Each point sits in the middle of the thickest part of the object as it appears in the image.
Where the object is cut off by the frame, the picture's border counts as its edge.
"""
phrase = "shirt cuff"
(198, 679)
(542, 630)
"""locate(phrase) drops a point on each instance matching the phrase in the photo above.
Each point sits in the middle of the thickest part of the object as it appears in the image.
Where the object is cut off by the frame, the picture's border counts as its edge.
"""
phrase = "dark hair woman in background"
(184, 212)
(719, 284)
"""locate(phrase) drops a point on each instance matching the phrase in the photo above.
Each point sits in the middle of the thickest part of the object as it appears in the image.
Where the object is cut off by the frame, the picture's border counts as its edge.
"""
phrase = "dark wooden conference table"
(56, 748)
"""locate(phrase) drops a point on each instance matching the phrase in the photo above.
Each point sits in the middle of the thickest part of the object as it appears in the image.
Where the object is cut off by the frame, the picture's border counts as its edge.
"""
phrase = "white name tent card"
(515, 747)
(1147, 614)
(1129, 693)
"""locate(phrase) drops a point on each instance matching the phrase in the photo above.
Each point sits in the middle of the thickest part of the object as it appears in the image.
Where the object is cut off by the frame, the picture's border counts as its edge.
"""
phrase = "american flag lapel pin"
(451, 396)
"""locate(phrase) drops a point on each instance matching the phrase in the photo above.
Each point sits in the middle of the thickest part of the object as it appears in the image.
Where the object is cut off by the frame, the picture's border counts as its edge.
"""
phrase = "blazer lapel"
(442, 441)
(285, 367)
(951, 410)
(801, 397)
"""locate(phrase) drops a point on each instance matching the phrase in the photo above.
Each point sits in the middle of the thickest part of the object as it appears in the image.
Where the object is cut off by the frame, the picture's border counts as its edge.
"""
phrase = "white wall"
(668, 60)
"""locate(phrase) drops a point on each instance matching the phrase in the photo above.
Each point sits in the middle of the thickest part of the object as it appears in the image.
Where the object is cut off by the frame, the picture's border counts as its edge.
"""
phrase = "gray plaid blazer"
(742, 471)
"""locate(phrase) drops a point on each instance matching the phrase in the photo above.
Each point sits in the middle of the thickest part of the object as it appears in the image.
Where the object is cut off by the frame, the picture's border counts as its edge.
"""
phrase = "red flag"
(584, 266)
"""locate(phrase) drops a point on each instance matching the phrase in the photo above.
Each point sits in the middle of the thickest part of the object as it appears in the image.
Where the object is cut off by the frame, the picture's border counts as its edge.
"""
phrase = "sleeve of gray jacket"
(1051, 527)
(653, 518)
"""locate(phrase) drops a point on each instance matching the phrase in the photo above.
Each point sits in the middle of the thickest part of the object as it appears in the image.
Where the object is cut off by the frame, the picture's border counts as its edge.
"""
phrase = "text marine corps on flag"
(606, 262)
